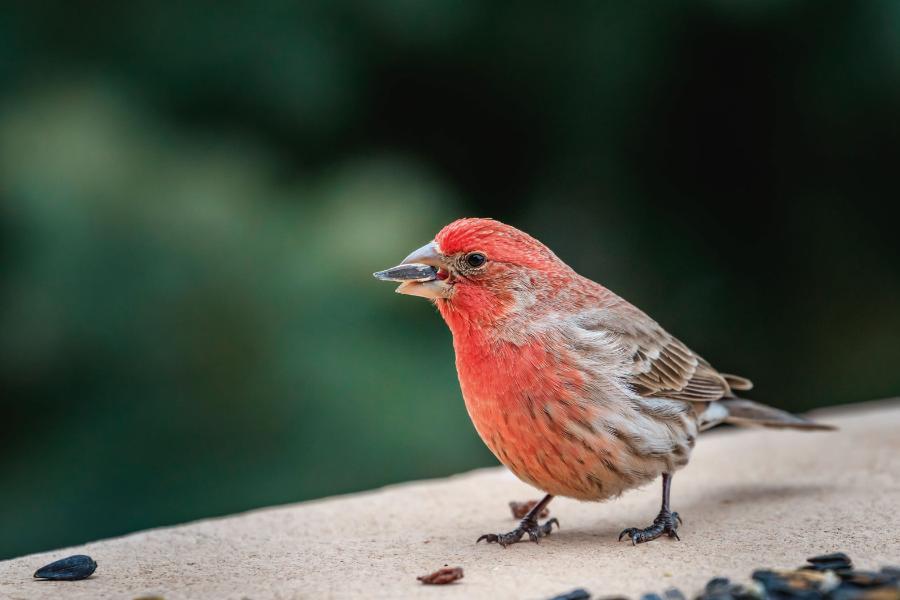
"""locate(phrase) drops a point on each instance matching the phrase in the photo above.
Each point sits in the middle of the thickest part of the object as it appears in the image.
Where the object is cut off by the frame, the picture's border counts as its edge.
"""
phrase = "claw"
(632, 533)
(535, 533)
(504, 539)
(665, 522)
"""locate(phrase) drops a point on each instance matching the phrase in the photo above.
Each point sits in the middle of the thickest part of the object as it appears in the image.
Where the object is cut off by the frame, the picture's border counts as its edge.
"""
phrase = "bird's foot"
(530, 526)
(665, 522)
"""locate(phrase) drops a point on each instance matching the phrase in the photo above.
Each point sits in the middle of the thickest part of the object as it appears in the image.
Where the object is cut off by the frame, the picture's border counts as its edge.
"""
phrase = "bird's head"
(479, 268)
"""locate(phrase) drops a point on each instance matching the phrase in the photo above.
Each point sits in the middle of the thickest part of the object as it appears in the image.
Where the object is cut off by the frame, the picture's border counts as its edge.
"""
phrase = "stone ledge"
(749, 498)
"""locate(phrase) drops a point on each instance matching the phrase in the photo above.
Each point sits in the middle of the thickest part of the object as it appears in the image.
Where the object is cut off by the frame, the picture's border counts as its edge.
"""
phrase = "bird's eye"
(476, 259)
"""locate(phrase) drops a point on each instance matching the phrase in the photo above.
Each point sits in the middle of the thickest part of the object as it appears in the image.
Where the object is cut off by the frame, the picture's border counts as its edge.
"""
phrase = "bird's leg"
(665, 522)
(527, 525)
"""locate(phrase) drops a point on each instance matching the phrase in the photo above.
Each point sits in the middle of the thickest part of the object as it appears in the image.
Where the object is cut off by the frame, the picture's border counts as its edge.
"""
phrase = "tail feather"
(750, 413)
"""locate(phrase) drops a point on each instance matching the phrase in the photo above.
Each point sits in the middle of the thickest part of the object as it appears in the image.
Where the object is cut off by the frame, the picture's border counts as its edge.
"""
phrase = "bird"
(575, 390)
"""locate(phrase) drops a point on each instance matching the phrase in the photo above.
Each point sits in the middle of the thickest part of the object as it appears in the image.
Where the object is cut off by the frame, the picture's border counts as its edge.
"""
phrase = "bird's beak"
(422, 273)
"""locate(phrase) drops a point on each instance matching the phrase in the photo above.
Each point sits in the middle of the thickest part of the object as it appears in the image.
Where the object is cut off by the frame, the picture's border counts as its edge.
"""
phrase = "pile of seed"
(830, 576)
(826, 577)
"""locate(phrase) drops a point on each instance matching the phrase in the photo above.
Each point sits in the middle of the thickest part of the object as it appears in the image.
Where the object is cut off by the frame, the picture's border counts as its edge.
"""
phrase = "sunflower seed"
(835, 561)
(71, 568)
(834, 556)
(410, 272)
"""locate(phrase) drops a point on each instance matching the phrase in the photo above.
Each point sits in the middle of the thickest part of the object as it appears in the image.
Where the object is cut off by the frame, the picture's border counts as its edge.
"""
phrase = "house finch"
(575, 390)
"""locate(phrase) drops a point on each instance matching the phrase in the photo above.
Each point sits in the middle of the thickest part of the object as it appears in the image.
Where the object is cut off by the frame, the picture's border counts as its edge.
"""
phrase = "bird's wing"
(661, 366)
(664, 367)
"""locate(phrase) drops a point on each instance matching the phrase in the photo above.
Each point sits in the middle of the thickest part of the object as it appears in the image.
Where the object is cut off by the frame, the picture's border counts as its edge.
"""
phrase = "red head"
(499, 242)
(486, 271)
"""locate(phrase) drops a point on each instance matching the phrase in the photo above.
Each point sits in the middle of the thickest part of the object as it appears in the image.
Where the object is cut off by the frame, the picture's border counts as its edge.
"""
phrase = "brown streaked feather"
(663, 367)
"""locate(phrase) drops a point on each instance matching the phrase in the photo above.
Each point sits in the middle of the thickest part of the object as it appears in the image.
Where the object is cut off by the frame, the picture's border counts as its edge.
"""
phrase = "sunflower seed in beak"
(410, 272)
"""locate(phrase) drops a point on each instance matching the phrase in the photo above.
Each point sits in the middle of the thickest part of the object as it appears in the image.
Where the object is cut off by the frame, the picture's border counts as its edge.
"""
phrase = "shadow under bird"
(574, 389)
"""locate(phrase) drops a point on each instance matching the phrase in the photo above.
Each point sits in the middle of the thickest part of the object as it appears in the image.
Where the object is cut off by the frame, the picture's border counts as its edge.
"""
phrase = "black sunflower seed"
(833, 561)
(410, 272)
(68, 569)
(838, 566)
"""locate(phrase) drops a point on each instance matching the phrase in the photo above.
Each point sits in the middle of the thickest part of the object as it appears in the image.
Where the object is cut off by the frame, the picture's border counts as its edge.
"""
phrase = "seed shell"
(71, 568)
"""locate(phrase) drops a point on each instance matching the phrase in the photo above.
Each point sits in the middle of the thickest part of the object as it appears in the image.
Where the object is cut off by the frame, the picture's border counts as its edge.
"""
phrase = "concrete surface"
(750, 498)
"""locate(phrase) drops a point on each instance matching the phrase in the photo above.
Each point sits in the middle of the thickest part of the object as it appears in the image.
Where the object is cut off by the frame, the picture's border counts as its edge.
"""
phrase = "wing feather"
(658, 365)
(663, 367)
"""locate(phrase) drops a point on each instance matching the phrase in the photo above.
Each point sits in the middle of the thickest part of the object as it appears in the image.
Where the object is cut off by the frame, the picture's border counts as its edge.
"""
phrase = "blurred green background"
(194, 197)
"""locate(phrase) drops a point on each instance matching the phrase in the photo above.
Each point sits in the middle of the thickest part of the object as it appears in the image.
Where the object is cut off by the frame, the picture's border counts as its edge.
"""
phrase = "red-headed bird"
(575, 390)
